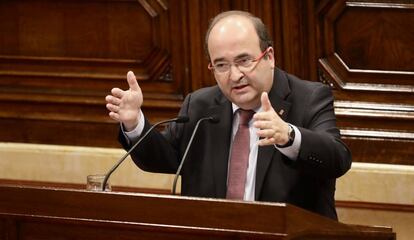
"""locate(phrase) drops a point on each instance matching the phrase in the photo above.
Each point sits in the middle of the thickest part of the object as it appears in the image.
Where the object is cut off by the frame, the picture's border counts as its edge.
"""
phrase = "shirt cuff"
(292, 151)
(133, 135)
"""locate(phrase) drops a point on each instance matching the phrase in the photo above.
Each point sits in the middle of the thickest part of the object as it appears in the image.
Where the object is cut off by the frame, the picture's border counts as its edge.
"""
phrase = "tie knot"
(245, 116)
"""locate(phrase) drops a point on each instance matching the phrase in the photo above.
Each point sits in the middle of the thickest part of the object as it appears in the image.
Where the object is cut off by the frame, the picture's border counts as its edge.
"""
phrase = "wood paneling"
(60, 58)
(366, 55)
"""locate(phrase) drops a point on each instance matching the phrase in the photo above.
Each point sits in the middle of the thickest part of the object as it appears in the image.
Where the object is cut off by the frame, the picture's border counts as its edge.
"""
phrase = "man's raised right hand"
(125, 106)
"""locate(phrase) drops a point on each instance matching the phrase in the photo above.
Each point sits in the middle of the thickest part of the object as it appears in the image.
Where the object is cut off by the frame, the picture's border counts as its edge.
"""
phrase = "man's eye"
(221, 65)
(244, 61)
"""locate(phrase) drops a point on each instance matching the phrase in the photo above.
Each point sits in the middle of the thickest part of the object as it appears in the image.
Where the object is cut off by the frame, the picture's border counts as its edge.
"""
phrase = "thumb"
(266, 105)
(132, 81)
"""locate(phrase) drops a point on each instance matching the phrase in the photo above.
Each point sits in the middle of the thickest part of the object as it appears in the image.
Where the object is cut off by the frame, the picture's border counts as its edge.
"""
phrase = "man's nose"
(235, 73)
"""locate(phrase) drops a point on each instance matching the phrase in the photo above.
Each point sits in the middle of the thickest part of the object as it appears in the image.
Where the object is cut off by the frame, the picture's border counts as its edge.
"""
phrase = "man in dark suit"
(291, 149)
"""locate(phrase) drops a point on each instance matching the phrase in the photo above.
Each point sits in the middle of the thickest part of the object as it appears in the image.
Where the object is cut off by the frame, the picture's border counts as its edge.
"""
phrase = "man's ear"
(271, 57)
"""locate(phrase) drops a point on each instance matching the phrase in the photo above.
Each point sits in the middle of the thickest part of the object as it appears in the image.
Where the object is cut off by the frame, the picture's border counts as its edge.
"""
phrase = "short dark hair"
(264, 38)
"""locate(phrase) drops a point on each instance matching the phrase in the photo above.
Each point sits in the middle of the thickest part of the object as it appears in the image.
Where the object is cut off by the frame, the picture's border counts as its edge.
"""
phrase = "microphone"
(179, 119)
(212, 119)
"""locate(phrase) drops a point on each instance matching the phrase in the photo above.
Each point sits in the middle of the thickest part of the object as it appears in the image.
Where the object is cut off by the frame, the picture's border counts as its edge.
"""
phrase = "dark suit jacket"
(308, 182)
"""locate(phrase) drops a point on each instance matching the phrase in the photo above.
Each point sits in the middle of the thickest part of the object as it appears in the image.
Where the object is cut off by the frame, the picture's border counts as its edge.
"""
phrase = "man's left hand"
(271, 128)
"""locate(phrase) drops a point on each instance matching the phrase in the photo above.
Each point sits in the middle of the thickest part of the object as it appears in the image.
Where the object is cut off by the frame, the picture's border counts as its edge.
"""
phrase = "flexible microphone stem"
(108, 174)
(211, 119)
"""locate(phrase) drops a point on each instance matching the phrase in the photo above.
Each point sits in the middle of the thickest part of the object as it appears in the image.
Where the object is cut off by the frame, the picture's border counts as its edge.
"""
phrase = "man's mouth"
(241, 86)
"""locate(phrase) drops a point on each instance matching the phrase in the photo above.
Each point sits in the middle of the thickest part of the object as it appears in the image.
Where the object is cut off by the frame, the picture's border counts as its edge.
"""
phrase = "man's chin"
(245, 102)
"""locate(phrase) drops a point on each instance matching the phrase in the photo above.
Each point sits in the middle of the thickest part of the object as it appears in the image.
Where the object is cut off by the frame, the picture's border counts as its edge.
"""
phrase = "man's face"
(234, 40)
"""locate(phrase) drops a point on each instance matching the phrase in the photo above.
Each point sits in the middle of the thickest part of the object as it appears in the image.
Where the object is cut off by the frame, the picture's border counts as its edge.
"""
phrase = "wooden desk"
(28, 212)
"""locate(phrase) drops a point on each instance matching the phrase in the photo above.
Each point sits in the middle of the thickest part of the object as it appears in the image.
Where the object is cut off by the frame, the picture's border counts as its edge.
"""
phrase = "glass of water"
(94, 183)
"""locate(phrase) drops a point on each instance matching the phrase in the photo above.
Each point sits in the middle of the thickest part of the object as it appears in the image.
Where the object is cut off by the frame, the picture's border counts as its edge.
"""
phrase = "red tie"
(239, 158)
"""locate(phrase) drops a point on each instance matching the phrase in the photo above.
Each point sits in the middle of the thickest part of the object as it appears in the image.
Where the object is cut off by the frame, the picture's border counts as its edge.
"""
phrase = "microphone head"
(214, 119)
(182, 119)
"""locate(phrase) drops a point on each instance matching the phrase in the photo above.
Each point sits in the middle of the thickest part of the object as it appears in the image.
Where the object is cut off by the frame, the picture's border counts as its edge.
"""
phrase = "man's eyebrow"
(219, 60)
(241, 55)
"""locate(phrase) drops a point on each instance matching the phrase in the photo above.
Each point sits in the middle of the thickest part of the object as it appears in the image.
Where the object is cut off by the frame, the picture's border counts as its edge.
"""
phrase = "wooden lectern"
(57, 213)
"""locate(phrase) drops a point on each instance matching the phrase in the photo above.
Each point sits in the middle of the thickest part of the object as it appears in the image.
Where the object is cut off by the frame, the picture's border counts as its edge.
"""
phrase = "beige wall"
(67, 164)
(372, 183)
(379, 183)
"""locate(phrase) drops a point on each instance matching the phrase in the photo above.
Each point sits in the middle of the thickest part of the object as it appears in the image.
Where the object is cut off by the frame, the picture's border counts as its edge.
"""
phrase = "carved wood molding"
(152, 10)
(377, 133)
(375, 116)
(53, 79)
(352, 49)
(364, 55)
(376, 206)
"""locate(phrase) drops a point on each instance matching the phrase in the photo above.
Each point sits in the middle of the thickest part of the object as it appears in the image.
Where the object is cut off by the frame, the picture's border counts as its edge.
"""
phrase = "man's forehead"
(233, 29)
(233, 22)
(232, 37)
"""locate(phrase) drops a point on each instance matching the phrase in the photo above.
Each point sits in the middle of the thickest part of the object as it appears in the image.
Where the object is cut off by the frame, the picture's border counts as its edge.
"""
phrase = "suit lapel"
(221, 134)
(277, 95)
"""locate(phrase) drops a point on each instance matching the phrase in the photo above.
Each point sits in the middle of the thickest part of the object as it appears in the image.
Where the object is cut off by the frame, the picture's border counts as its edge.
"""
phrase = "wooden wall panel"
(2, 230)
(60, 58)
(366, 55)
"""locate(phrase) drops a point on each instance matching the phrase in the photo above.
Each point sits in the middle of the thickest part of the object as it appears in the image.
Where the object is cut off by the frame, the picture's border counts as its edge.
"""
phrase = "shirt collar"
(235, 108)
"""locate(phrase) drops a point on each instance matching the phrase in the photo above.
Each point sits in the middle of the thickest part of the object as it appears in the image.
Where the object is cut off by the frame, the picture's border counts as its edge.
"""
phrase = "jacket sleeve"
(322, 153)
(159, 151)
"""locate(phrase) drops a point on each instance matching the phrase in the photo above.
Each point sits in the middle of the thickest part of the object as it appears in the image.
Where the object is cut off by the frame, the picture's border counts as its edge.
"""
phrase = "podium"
(57, 213)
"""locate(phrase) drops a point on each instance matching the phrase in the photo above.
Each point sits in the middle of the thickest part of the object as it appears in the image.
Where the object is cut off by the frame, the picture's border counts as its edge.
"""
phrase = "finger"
(266, 141)
(116, 92)
(114, 116)
(270, 133)
(276, 136)
(262, 124)
(266, 105)
(268, 125)
(112, 108)
(266, 133)
(132, 81)
(112, 100)
(261, 116)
